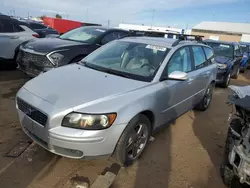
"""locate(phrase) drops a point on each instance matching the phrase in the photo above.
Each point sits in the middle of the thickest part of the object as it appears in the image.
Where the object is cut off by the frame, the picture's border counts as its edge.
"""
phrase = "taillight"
(35, 35)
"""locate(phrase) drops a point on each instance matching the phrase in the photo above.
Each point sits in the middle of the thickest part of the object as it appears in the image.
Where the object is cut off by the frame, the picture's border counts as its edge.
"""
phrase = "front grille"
(29, 59)
(32, 112)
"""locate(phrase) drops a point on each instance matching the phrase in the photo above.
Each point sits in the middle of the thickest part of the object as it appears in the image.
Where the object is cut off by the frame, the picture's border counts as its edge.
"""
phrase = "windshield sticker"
(100, 30)
(159, 48)
(224, 45)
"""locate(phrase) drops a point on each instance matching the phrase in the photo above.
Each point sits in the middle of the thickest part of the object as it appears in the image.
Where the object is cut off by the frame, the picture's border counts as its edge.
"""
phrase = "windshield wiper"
(112, 71)
(103, 69)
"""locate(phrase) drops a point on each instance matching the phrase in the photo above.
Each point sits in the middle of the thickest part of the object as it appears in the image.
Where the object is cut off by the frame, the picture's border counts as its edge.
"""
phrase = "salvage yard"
(186, 154)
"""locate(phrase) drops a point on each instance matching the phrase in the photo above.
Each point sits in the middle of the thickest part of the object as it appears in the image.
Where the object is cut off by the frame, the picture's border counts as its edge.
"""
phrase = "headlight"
(88, 121)
(55, 58)
(221, 66)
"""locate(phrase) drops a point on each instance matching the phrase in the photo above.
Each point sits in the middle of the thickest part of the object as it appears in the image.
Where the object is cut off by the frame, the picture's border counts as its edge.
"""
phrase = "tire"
(237, 73)
(228, 176)
(122, 150)
(227, 81)
(206, 100)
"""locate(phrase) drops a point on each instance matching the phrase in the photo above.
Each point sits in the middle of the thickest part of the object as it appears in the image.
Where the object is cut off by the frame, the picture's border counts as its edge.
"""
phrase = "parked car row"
(13, 33)
(38, 56)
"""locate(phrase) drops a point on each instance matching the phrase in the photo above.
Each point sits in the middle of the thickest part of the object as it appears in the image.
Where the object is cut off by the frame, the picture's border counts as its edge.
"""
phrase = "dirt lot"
(186, 154)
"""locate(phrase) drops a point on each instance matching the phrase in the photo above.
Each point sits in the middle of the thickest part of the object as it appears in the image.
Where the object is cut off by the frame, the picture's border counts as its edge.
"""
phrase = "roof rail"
(183, 37)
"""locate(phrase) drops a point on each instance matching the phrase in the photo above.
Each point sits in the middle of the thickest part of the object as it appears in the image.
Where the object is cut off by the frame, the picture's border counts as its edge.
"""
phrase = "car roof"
(221, 41)
(105, 28)
(160, 41)
(245, 43)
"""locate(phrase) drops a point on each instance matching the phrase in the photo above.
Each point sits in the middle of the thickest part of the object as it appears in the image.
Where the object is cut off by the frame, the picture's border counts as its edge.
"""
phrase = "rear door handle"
(207, 73)
(190, 80)
(14, 37)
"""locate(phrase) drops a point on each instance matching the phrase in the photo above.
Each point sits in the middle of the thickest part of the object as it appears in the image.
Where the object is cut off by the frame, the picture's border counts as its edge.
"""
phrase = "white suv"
(12, 34)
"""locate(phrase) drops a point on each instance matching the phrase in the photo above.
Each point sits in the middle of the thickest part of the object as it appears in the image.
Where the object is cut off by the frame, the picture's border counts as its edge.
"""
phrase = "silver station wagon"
(109, 103)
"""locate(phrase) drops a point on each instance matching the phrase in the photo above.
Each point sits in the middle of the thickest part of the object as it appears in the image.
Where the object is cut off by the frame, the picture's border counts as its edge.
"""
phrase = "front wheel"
(205, 102)
(227, 81)
(133, 140)
(236, 74)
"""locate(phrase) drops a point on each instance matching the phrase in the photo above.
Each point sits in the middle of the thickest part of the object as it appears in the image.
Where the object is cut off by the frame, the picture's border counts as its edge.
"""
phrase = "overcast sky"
(177, 13)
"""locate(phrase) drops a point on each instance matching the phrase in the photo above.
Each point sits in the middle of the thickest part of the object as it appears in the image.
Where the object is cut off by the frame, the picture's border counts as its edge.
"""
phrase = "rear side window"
(7, 26)
(37, 26)
(209, 54)
(199, 57)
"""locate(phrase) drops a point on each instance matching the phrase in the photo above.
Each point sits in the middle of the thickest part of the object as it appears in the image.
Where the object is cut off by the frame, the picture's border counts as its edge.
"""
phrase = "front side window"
(209, 54)
(221, 49)
(129, 59)
(109, 37)
(199, 57)
(83, 34)
(180, 61)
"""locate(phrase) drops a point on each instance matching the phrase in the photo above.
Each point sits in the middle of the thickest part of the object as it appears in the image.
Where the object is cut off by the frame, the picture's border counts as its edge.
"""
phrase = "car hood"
(73, 85)
(47, 45)
(223, 59)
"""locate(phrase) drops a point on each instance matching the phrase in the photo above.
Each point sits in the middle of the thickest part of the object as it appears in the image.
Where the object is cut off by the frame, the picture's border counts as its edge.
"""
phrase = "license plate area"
(27, 123)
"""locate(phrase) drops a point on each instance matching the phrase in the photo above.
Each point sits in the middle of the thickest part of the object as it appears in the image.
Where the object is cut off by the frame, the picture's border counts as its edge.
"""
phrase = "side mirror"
(178, 75)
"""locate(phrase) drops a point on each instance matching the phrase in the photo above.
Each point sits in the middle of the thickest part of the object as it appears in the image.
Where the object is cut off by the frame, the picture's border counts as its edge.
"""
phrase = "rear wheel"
(133, 140)
(205, 102)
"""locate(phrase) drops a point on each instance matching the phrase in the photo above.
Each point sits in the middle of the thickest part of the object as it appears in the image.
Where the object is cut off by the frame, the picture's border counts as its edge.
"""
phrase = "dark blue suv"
(228, 58)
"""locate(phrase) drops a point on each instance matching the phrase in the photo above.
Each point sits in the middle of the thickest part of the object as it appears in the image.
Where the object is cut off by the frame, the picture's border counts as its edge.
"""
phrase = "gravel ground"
(187, 154)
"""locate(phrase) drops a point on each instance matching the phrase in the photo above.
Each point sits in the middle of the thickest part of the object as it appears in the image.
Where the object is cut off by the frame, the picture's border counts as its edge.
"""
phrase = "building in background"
(153, 28)
(225, 31)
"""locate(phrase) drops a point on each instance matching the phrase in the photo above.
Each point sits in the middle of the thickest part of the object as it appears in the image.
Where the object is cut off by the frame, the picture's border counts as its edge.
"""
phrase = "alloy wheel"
(137, 141)
(228, 79)
(208, 96)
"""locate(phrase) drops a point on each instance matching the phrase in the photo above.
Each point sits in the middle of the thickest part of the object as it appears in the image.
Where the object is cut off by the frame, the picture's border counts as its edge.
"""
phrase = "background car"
(12, 34)
(110, 102)
(228, 58)
(245, 50)
(41, 29)
(41, 55)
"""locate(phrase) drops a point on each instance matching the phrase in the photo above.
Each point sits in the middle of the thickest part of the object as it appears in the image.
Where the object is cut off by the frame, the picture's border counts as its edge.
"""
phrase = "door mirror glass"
(178, 75)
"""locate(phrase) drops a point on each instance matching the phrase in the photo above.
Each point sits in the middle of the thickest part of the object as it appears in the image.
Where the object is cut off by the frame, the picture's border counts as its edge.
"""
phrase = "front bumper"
(64, 141)
(241, 164)
(221, 76)
(32, 63)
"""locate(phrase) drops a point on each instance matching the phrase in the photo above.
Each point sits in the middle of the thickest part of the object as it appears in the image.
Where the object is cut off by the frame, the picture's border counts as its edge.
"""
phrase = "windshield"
(221, 49)
(128, 59)
(83, 34)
